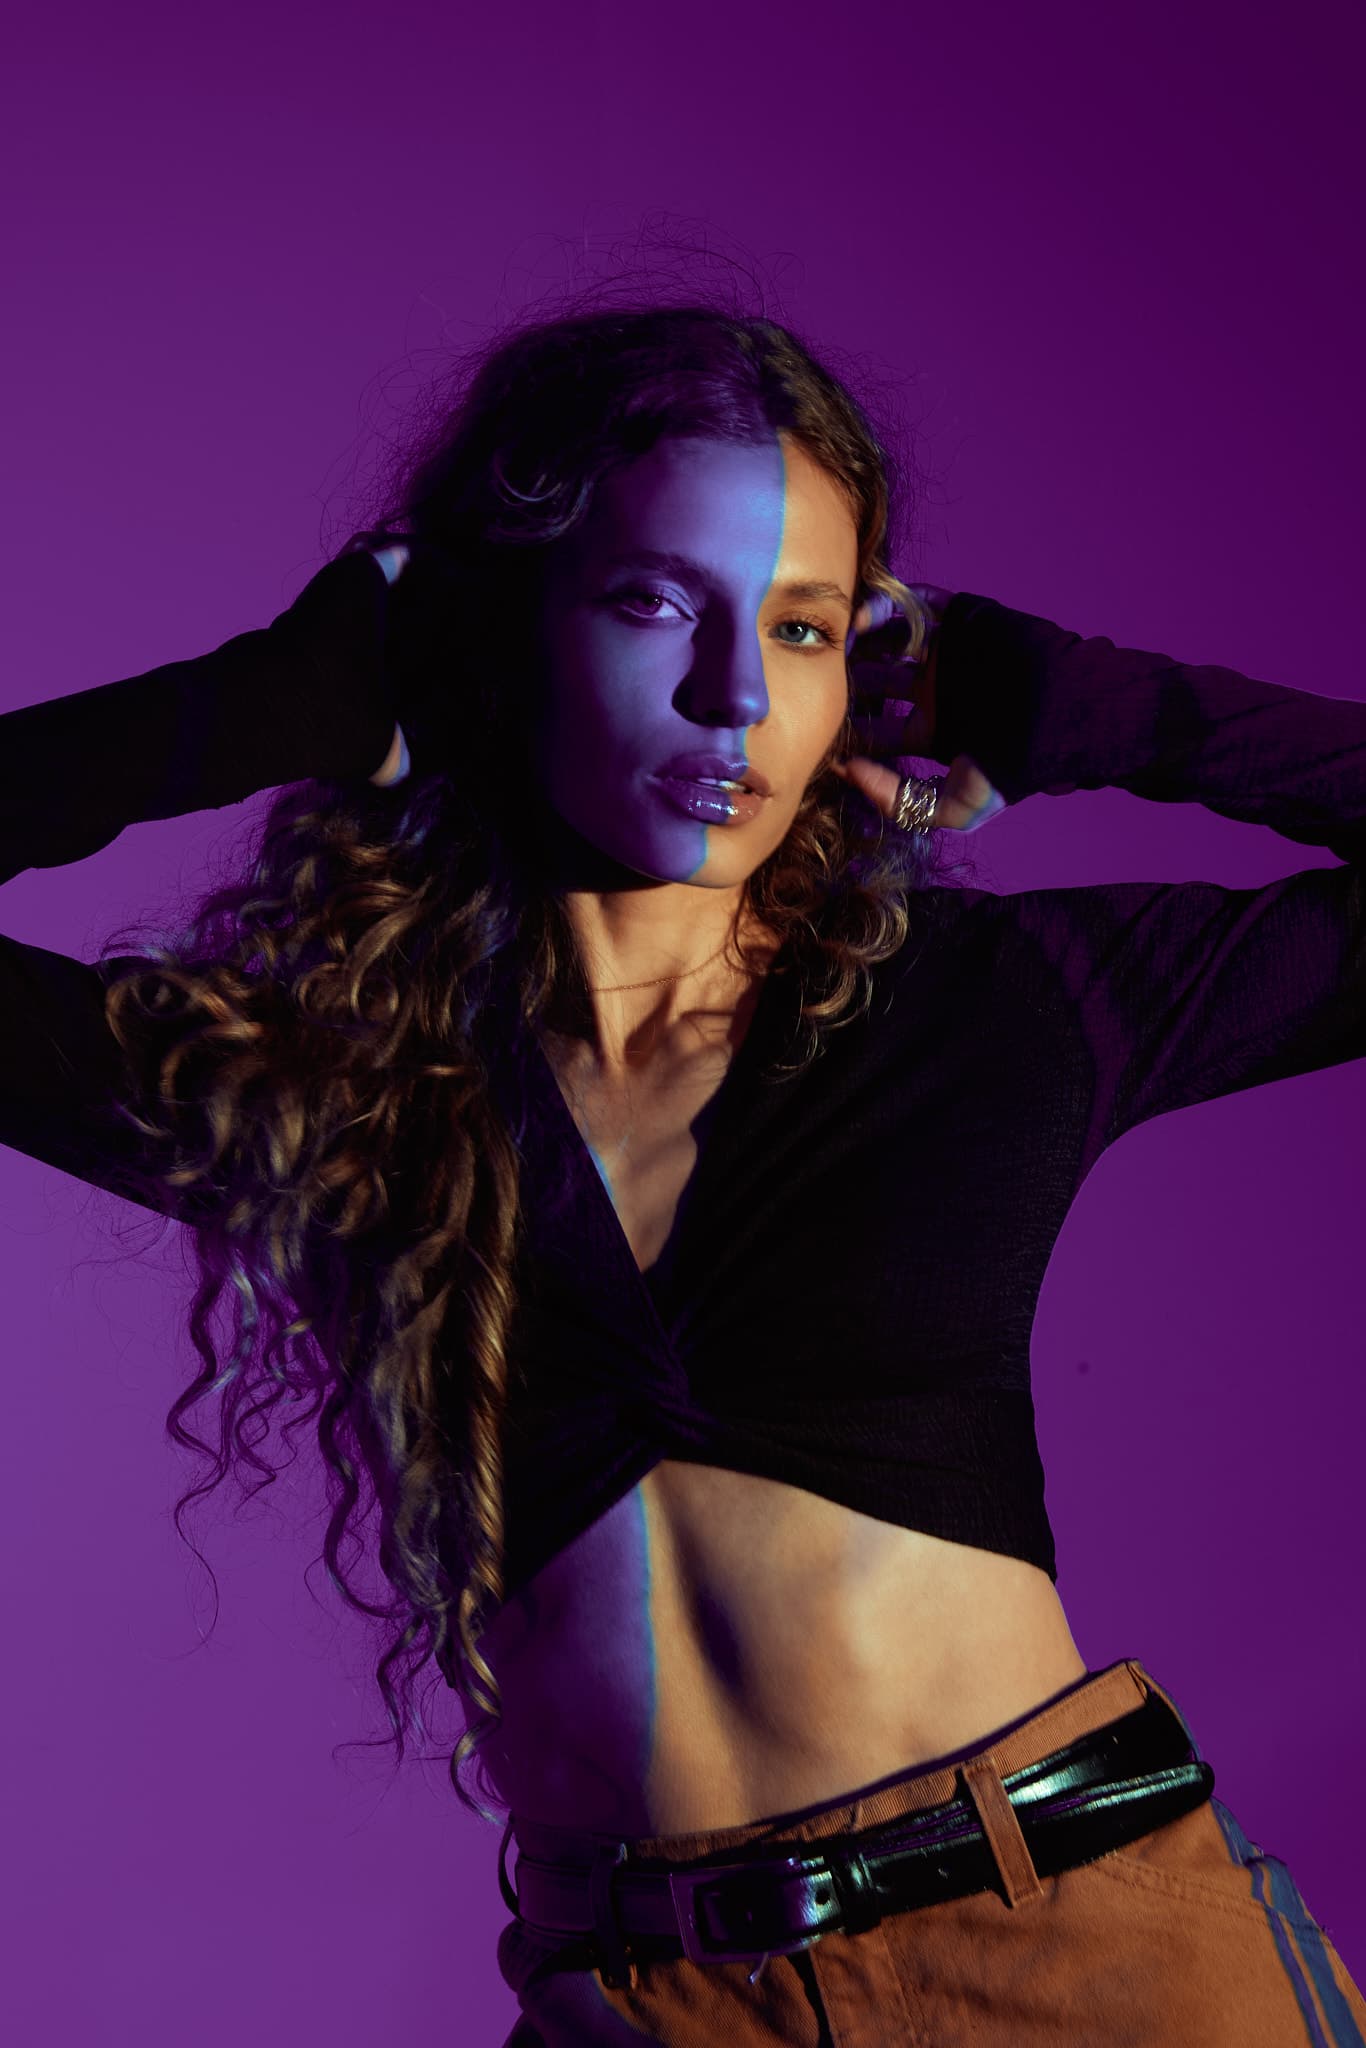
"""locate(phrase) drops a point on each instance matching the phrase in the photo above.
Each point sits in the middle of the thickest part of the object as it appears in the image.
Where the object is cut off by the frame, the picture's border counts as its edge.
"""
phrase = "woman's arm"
(302, 697)
(1184, 991)
(1047, 711)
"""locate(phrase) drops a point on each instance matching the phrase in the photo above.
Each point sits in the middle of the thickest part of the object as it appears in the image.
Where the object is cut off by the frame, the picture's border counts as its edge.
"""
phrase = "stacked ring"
(915, 802)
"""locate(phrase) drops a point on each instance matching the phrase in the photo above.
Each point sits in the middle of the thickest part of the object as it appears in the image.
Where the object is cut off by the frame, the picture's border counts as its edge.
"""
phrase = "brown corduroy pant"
(1189, 1937)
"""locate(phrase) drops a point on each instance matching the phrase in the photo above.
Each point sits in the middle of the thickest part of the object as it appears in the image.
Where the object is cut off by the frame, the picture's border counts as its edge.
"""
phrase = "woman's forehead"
(710, 503)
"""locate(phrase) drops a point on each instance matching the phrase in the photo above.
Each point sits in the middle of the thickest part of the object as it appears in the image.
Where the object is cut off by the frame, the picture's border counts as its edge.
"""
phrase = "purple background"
(1118, 264)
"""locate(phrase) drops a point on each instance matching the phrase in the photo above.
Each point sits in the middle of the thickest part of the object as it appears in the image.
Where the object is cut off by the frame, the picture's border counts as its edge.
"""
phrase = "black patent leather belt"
(772, 1898)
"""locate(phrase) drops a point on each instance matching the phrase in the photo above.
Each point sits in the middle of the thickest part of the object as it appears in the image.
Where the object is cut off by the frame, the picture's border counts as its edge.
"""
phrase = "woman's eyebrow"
(805, 590)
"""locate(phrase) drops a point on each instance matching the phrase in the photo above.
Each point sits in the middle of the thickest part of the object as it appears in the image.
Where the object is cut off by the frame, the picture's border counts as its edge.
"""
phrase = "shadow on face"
(693, 633)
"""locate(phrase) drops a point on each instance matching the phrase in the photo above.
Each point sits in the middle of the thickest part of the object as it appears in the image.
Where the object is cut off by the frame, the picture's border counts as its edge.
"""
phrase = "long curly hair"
(303, 1058)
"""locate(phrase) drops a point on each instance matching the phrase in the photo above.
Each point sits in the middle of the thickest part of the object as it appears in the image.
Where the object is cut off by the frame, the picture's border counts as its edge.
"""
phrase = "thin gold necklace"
(622, 987)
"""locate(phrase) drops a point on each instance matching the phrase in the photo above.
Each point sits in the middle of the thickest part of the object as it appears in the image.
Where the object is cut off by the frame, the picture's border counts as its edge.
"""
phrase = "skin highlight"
(640, 665)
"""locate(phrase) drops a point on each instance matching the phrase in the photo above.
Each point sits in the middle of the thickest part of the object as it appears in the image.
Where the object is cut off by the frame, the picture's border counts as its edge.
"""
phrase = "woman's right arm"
(303, 697)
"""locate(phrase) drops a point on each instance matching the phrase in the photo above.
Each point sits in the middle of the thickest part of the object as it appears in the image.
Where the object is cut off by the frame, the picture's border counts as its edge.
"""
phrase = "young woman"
(610, 1110)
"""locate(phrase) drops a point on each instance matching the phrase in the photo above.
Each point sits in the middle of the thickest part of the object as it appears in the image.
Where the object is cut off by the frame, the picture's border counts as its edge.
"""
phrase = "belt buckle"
(683, 1884)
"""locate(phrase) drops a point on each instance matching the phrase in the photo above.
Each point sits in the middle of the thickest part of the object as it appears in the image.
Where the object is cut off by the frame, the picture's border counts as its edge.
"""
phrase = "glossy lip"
(716, 767)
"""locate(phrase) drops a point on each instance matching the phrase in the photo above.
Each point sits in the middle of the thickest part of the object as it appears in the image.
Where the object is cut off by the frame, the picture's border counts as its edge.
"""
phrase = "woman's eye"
(648, 596)
(823, 635)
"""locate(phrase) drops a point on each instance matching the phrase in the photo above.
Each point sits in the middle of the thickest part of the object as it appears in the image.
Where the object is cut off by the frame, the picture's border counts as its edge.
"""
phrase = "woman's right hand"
(393, 561)
(426, 593)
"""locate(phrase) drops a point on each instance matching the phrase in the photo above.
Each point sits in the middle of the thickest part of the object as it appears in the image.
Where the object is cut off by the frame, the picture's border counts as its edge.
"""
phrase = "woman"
(661, 1155)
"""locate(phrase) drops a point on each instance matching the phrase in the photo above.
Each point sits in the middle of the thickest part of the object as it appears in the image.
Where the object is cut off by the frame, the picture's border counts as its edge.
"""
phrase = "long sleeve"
(1185, 991)
(304, 697)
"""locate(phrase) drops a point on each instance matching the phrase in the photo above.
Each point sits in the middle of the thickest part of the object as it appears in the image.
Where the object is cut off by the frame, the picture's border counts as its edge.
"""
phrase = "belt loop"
(615, 1967)
(1001, 1827)
(1153, 1689)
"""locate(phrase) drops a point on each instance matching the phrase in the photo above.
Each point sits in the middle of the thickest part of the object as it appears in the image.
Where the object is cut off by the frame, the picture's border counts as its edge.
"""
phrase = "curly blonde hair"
(302, 1063)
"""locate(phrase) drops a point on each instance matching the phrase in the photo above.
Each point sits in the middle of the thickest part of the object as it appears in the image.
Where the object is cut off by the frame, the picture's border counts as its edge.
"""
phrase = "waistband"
(1100, 1697)
(1102, 1763)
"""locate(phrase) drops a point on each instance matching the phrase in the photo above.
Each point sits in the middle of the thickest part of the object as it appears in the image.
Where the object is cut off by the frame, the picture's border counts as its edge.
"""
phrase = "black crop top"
(829, 1314)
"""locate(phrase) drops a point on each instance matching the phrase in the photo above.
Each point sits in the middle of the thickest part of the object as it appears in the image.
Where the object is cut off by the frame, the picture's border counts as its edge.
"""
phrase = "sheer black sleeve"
(302, 698)
(1186, 990)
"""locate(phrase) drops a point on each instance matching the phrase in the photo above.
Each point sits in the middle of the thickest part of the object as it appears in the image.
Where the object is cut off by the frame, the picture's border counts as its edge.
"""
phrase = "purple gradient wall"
(1119, 265)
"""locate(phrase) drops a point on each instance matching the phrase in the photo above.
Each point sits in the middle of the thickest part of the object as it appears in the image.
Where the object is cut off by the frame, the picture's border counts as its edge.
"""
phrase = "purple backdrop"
(1118, 264)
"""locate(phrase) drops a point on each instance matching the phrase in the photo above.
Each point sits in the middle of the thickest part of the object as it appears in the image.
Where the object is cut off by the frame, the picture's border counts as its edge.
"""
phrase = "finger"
(883, 665)
(874, 607)
(891, 732)
(896, 682)
(877, 611)
(932, 596)
(884, 646)
(879, 784)
(978, 799)
(966, 801)
(392, 560)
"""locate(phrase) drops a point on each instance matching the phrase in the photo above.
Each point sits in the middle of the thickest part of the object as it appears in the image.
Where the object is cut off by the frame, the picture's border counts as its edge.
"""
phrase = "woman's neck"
(683, 1004)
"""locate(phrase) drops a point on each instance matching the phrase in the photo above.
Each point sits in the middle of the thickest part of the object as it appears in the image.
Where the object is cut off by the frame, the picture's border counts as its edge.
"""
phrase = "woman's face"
(661, 678)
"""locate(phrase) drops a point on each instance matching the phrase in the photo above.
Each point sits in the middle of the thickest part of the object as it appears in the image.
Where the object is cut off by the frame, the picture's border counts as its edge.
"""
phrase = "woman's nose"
(725, 686)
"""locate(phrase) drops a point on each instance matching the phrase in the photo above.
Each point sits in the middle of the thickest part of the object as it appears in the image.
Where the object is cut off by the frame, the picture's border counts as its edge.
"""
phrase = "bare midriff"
(721, 1647)
(778, 1650)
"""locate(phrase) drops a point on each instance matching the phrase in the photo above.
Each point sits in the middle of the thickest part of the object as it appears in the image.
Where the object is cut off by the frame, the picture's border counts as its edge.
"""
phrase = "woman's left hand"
(900, 727)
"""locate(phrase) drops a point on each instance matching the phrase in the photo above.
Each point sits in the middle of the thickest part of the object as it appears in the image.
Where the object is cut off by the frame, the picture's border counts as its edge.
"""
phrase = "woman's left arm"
(1186, 990)
(1046, 711)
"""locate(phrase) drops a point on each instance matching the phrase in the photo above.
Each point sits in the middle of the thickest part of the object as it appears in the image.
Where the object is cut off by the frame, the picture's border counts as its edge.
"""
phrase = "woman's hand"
(393, 561)
(893, 714)
(431, 704)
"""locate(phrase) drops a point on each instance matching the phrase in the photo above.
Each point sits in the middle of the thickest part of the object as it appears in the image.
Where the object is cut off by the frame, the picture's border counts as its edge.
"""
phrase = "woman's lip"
(707, 802)
(728, 785)
(716, 768)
